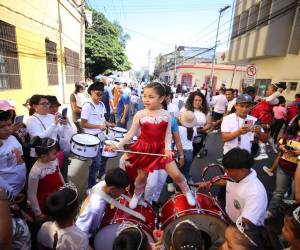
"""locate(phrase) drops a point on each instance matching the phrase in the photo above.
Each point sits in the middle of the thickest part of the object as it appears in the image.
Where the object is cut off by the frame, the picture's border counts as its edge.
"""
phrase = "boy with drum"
(246, 196)
(93, 208)
(93, 122)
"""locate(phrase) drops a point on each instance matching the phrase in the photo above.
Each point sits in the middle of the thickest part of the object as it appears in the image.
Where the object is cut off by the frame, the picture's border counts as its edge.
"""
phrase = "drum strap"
(113, 202)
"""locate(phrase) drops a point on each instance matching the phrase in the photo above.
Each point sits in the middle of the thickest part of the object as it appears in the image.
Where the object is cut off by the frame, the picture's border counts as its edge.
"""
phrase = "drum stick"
(139, 153)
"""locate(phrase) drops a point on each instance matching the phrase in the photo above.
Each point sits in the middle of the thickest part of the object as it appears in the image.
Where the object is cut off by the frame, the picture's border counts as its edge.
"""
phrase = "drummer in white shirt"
(246, 196)
(93, 122)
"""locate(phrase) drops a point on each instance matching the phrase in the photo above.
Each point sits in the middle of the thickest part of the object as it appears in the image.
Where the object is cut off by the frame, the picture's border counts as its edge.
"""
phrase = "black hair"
(294, 127)
(237, 158)
(96, 86)
(43, 146)
(78, 87)
(125, 84)
(249, 89)
(6, 115)
(35, 100)
(293, 223)
(60, 205)
(281, 100)
(231, 90)
(186, 236)
(297, 96)
(117, 177)
(190, 100)
(130, 239)
(52, 99)
(168, 91)
(158, 87)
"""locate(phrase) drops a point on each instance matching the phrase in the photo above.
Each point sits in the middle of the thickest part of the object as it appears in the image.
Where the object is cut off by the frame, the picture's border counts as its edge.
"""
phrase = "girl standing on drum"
(155, 137)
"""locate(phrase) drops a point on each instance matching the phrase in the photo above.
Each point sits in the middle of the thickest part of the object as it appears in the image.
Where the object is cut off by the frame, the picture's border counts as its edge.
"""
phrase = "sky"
(156, 26)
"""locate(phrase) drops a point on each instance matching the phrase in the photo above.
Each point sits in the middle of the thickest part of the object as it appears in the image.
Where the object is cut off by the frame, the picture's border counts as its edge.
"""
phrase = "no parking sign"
(251, 71)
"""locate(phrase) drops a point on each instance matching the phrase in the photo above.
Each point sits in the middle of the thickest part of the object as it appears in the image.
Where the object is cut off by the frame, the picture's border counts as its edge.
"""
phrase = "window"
(235, 27)
(293, 86)
(244, 22)
(253, 16)
(264, 12)
(51, 58)
(9, 65)
(261, 86)
(72, 66)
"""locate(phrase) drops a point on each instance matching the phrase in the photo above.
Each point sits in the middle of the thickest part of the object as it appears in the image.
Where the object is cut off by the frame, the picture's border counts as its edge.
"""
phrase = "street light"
(215, 48)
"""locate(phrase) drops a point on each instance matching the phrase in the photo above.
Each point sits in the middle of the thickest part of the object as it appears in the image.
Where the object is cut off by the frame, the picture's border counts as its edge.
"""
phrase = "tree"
(159, 64)
(105, 46)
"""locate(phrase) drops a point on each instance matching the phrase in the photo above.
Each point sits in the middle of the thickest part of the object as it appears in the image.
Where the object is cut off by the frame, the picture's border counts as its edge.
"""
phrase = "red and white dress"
(155, 136)
(44, 179)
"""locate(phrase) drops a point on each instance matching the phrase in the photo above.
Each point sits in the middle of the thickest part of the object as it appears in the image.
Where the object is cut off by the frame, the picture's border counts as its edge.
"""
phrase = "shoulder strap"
(40, 121)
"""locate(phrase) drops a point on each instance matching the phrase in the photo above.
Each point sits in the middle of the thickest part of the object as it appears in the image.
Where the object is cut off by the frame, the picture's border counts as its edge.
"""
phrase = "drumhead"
(119, 130)
(86, 139)
(213, 228)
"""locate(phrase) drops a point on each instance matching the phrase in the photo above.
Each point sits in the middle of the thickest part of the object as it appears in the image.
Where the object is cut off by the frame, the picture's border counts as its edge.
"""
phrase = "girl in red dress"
(155, 137)
(44, 177)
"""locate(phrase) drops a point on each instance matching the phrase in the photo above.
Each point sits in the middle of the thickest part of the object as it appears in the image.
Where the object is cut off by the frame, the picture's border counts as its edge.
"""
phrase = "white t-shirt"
(69, 238)
(134, 99)
(233, 123)
(173, 110)
(90, 218)
(186, 143)
(231, 104)
(12, 173)
(219, 102)
(42, 126)
(247, 198)
(94, 114)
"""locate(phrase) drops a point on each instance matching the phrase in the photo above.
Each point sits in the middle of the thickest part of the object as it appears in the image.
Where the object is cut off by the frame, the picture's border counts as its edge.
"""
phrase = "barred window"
(72, 66)
(51, 58)
(9, 64)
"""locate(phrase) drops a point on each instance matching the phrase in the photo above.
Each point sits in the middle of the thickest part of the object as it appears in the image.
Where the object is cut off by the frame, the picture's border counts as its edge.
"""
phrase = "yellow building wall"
(280, 69)
(223, 76)
(36, 20)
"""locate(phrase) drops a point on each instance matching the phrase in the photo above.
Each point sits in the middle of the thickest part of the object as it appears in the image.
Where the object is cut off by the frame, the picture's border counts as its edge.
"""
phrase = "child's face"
(287, 231)
(96, 95)
(151, 99)
(230, 240)
(5, 129)
(51, 156)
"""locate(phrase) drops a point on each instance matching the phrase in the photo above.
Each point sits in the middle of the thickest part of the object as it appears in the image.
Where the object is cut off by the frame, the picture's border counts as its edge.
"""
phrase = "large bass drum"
(113, 218)
(205, 215)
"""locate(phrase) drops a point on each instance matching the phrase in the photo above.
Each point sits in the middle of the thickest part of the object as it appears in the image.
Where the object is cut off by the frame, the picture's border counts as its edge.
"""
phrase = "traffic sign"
(251, 70)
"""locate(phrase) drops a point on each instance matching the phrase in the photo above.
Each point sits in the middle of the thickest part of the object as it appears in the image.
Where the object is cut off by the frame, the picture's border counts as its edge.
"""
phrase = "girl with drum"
(155, 137)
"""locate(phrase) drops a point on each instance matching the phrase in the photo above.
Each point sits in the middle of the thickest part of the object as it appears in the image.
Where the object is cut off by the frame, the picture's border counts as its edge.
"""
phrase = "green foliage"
(105, 46)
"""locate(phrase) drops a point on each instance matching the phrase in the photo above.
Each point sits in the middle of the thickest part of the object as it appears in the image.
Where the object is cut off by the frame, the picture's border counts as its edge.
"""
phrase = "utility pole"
(215, 48)
(175, 55)
(82, 41)
(61, 54)
(149, 58)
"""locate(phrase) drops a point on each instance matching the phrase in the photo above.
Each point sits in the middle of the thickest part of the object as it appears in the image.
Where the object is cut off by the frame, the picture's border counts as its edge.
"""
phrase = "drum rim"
(189, 212)
(89, 145)
(121, 132)
(181, 194)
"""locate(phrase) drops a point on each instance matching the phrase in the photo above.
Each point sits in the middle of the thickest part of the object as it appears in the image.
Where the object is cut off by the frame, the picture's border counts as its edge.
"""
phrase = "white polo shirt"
(233, 123)
(186, 143)
(230, 104)
(247, 198)
(94, 114)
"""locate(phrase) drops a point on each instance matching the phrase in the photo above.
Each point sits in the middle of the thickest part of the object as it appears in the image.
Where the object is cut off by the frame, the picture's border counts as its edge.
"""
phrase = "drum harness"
(115, 203)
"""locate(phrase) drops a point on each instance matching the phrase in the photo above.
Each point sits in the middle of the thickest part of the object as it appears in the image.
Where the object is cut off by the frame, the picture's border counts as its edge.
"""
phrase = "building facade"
(41, 48)
(266, 33)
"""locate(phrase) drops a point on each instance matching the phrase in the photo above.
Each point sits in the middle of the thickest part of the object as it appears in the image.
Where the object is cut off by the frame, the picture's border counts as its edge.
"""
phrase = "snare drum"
(106, 152)
(205, 215)
(113, 218)
(85, 145)
(118, 132)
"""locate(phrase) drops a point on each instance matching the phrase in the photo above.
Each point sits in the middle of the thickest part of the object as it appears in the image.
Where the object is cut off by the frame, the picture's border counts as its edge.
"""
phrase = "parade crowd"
(163, 129)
